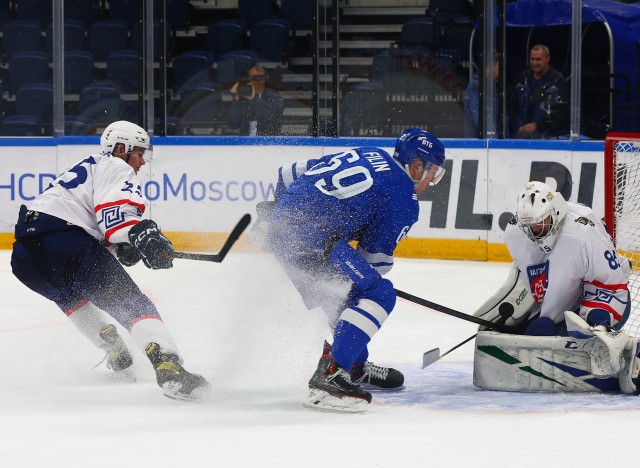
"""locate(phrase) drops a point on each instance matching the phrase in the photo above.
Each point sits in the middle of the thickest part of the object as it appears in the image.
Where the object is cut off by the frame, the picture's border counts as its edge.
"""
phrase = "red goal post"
(622, 209)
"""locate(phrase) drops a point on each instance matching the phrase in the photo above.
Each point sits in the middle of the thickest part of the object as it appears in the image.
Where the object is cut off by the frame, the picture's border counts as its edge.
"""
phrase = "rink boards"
(198, 187)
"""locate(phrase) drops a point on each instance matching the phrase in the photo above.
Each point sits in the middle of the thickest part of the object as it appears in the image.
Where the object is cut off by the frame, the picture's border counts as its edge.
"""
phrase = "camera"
(245, 89)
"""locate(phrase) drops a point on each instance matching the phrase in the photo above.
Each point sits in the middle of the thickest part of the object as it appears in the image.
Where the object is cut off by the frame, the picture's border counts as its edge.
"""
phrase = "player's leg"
(104, 281)
(46, 266)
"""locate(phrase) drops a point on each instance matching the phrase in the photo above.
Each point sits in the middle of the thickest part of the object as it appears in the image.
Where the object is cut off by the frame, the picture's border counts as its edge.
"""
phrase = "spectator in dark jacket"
(538, 104)
(256, 110)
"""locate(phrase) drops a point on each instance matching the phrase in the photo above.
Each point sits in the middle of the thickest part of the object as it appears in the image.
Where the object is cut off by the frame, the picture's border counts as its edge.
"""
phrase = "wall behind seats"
(199, 187)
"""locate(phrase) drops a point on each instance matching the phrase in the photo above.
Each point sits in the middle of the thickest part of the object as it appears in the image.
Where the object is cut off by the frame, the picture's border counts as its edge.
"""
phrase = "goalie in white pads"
(567, 291)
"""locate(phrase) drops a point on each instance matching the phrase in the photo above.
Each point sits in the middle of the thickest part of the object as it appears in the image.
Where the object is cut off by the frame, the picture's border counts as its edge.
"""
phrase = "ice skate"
(174, 380)
(368, 374)
(117, 355)
(331, 389)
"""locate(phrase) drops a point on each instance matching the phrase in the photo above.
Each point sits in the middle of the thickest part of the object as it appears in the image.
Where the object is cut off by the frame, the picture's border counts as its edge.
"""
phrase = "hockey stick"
(233, 237)
(454, 313)
(429, 357)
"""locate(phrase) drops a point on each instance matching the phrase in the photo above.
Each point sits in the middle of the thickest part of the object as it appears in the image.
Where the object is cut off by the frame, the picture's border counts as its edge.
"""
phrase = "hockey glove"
(127, 254)
(156, 250)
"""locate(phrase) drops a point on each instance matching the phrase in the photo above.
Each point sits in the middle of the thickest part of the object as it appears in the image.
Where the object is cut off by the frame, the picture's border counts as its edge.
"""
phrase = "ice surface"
(241, 325)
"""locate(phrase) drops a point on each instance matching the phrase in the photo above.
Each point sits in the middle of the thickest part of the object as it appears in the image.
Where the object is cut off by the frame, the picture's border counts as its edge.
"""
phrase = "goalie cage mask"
(540, 213)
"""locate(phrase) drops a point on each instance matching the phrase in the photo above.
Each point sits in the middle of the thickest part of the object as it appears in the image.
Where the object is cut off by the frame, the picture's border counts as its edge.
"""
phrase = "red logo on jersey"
(538, 279)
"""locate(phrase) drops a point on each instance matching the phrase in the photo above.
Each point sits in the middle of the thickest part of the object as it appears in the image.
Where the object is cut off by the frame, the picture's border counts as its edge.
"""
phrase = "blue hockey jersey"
(362, 194)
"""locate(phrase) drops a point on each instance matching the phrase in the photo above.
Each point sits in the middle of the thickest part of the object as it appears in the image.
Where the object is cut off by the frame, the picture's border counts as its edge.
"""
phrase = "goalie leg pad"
(604, 346)
(535, 364)
(516, 295)
(629, 376)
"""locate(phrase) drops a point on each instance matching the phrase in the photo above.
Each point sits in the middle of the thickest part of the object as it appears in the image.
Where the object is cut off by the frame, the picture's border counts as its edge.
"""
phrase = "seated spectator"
(255, 110)
(538, 104)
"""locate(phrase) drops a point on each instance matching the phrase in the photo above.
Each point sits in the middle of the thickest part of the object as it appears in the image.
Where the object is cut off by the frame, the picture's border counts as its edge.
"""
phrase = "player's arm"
(605, 296)
(119, 206)
(291, 172)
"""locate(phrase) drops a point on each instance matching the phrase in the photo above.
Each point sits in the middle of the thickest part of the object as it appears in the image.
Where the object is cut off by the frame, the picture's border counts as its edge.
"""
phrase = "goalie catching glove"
(156, 250)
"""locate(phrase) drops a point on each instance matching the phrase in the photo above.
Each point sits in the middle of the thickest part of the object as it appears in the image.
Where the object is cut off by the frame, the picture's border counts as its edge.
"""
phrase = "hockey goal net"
(622, 209)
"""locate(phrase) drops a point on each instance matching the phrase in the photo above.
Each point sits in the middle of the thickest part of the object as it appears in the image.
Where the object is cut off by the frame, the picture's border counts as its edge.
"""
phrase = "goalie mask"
(127, 133)
(417, 144)
(540, 214)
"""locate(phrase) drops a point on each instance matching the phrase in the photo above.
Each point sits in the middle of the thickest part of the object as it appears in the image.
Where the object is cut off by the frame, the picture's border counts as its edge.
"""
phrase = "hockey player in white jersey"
(63, 251)
(567, 280)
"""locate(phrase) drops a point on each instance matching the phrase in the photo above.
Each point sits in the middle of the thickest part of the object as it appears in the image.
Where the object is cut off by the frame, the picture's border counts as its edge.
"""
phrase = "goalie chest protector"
(524, 363)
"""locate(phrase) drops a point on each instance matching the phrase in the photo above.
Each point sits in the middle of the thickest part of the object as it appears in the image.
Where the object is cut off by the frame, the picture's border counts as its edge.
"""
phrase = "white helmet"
(540, 214)
(126, 133)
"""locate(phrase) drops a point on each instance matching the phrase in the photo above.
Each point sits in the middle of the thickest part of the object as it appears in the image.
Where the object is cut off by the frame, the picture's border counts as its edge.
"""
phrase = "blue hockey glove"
(127, 254)
(156, 250)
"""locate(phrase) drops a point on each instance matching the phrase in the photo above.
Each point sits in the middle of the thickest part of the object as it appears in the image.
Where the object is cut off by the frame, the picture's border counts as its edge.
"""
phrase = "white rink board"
(207, 187)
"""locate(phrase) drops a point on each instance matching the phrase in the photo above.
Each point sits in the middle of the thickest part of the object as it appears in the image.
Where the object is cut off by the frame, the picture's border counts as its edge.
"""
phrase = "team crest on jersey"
(538, 280)
(585, 221)
(111, 216)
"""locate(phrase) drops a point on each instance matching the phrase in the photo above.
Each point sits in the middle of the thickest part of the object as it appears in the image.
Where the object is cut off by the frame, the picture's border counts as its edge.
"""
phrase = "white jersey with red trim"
(583, 270)
(101, 194)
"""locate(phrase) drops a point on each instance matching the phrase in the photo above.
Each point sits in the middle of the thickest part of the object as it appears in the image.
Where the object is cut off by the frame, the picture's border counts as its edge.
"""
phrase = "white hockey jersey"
(101, 194)
(582, 271)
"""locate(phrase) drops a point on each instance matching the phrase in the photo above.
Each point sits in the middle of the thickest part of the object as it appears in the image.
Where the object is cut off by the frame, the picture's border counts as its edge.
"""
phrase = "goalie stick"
(505, 310)
(233, 237)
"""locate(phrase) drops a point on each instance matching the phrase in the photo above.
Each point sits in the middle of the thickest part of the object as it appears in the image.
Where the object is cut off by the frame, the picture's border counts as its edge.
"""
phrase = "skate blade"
(319, 399)
(173, 390)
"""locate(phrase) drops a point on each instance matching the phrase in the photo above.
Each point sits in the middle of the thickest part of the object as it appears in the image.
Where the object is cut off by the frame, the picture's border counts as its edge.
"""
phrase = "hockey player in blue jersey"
(321, 205)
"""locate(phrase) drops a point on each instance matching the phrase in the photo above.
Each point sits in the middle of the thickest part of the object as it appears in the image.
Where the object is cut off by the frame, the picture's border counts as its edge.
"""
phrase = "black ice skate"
(174, 380)
(331, 388)
(118, 357)
(377, 376)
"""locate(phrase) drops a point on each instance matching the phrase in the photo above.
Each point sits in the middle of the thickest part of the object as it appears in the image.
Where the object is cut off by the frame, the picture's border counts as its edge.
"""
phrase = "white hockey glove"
(604, 346)
(512, 304)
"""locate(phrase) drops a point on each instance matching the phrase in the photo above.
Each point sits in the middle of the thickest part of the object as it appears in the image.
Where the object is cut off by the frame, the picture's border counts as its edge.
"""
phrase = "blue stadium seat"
(364, 110)
(234, 66)
(125, 10)
(227, 35)
(100, 102)
(420, 32)
(123, 69)
(85, 11)
(76, 125)
(78, 70)
(20, 36)
(299, 13)
(28, 67)
(36, 99)
(270, 39)
(75, 35)
(253, 11)
(21, 125)
(200, 104)
(136, 38)
(37, 10)
(106, 37)
(190, 67)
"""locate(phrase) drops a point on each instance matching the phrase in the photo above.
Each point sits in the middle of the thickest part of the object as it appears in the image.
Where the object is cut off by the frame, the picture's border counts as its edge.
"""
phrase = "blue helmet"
(415, 143)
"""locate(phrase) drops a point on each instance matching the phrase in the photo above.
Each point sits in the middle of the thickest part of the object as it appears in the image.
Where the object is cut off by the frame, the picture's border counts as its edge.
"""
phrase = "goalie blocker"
(591, 359)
